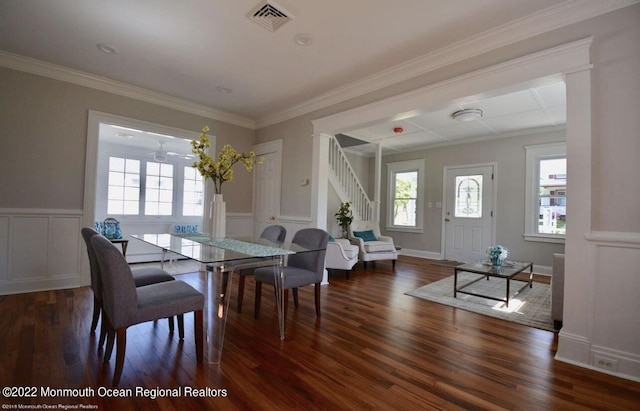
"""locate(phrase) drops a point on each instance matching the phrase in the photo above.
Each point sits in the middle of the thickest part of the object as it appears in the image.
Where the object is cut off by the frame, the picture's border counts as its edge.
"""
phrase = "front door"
(267, 186)
(468, 212)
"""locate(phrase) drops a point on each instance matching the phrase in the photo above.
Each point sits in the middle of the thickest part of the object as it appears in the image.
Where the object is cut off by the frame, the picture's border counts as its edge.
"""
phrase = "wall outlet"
(605, 363)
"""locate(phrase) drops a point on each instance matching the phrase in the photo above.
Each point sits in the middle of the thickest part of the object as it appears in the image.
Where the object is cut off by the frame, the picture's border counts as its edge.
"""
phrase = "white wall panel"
(4, 248)
(64, 241)
(40, 250)
(616, 305)
(29, 247)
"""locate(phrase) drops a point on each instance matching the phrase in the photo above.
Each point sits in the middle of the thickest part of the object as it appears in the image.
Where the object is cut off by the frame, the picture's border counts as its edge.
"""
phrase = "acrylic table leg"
(218, 282)
(278, 274)
(164, 254)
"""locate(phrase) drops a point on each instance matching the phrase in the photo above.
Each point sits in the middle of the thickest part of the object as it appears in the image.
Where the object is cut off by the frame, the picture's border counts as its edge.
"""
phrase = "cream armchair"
(341, 255)
(372, 245)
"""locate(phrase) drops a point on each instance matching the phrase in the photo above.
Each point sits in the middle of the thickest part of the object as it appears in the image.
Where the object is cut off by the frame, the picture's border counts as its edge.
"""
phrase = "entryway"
(468, 225)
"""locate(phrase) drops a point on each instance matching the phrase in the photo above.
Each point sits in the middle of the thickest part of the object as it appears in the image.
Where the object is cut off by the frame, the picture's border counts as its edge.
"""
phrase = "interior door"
(267, 187)
(468, 212)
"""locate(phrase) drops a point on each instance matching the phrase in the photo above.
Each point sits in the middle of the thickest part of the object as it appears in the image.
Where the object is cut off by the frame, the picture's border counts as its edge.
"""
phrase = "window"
(159, 189)
(139, 187)
(546, 192)
(468, 196)
(124, 186)
(405, 183)
(193, 192)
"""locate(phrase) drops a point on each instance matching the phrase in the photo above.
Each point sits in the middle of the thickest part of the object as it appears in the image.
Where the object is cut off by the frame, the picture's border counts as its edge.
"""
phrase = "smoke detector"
(269, 15)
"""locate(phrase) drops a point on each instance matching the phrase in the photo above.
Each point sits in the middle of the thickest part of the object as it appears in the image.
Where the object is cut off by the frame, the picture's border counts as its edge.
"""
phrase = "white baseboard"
(420, 254)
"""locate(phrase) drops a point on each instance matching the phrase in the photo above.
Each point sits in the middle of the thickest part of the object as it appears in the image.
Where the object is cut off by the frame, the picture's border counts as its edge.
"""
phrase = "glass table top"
(204, 249)
(484, 267)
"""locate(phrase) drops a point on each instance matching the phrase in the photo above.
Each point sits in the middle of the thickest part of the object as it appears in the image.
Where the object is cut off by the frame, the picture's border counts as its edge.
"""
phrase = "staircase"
(346, 183)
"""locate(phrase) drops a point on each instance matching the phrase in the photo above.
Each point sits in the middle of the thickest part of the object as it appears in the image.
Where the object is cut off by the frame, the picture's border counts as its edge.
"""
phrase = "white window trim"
(535, 153)
(108, 150)
(405, 166)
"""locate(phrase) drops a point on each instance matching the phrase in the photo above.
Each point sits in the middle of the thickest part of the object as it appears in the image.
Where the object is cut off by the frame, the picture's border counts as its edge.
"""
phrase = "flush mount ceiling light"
(467, 114)
(303, 39)
(160, 155)
(105, 48)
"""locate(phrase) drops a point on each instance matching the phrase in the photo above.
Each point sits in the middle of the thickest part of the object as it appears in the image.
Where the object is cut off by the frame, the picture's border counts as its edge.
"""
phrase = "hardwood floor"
(373, 347)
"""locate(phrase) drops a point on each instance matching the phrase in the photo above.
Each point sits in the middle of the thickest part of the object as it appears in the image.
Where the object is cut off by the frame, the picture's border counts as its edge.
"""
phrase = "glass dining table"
(222, 256)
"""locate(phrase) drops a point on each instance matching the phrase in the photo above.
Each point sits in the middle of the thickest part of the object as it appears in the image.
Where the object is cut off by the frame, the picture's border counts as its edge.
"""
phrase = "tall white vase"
(218, 217)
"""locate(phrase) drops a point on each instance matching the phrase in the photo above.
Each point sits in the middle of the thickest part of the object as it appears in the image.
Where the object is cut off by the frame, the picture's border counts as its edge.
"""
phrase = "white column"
(320, 185)
(376, 196)
(320, 180)
(575, 338)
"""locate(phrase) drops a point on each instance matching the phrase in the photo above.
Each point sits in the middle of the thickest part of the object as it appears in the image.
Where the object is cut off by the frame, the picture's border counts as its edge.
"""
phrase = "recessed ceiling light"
(135, 130)
(124, 135)
(303, 39)
(467, 114)
(106, 48)
(224, 90)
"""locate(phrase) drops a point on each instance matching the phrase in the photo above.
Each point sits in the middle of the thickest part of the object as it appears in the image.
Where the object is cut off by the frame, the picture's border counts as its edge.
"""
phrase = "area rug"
(532, 307)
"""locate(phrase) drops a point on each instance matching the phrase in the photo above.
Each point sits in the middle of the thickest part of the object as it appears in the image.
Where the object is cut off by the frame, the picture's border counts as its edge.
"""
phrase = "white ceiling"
(151, 142)
(191, 49)
(525, 111)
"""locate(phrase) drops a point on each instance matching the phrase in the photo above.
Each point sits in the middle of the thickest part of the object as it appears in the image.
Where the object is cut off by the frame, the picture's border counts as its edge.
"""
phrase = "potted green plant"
(344, 216)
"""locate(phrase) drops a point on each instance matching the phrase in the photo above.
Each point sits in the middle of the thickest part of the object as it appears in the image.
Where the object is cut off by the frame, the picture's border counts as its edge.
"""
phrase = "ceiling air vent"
(269, 16)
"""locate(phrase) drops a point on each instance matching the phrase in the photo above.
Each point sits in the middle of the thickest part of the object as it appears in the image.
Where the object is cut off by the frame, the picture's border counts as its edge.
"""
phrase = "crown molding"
(555, 17)
(566, 58)
(54, 71)
(552, 18)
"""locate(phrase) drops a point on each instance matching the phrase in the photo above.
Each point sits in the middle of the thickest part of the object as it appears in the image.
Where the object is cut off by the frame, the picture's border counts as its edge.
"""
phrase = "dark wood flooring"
(373, 348)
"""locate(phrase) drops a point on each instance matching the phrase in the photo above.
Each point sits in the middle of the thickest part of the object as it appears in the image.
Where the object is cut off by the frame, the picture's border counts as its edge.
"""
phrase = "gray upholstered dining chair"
(141, 277)
(273, 233)
(302, 268)
(124, 304)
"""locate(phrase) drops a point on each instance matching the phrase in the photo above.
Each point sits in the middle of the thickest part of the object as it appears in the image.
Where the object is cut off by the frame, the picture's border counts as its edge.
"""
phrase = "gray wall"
(43, 133)
(509, 155)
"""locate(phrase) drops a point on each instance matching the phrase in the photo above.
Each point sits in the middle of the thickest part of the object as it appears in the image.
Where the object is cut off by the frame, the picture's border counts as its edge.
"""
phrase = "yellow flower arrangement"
(221, 170)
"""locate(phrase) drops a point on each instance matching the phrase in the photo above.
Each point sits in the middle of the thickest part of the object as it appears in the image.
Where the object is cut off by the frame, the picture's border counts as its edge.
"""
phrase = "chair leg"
(111, 334)
(199, 331)
(241, 292)
(317, 298)
(258, 297)
(393, 264)
(346, 272)
(103, 331)
(180, 326)
(364, 263)
(97, 308)
(171, 326)
(295, 297)
(120, 350)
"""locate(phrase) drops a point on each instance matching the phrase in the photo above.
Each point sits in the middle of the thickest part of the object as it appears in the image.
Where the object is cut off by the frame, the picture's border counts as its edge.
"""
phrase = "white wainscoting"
(613, 334)
(40, 249)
